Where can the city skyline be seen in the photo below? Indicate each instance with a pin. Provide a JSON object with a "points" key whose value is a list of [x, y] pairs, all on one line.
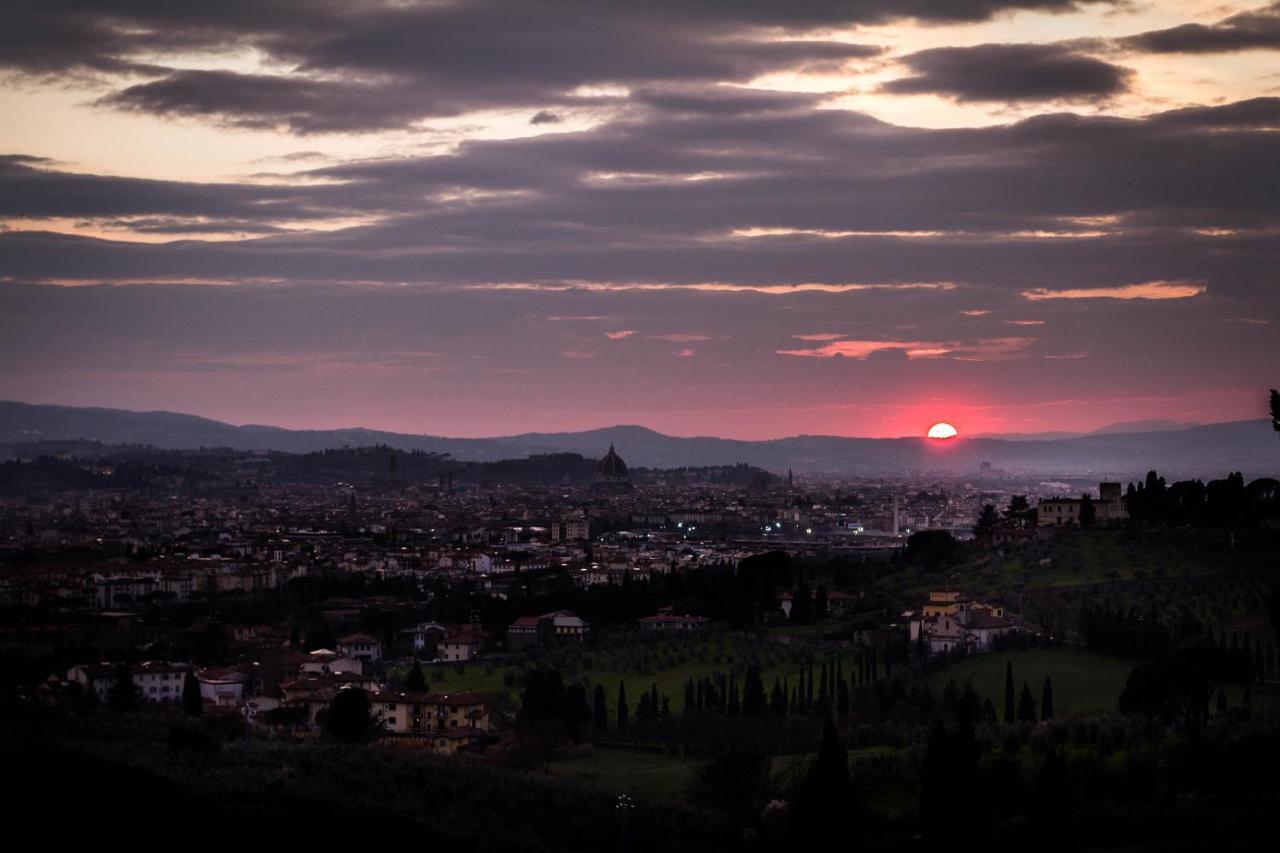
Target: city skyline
{"points": [[739, 220]]}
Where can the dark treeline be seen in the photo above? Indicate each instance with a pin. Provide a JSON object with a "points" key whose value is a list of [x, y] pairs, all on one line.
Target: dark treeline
{"points": [[60, 466], [1228, 502]]}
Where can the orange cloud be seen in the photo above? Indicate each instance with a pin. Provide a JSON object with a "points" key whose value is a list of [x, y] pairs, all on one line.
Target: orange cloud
{"points": [[1143, 290], [983, 350]]}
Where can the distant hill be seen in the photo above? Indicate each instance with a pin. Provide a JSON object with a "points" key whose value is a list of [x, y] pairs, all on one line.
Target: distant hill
{"points": [[1209, 450], [1150, 425]]}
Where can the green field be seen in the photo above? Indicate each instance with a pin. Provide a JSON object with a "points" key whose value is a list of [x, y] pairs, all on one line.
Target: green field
{"points": [[652, 775], [1099, 556], [1081, 681], [666, 668]]}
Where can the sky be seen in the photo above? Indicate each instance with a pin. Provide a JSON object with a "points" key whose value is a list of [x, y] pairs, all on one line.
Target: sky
{"points": [[740, 218]]}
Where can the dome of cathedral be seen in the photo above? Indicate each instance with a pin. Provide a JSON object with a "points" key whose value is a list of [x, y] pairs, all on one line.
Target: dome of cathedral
{"points": [[611, 465]]}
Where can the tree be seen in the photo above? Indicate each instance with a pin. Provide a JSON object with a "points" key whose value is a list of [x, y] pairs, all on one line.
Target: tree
{"points": [[754, 703], [123, 695], [1181, 684], [1017, 510], [1273, 608], [349, 719], [1088, 512], [1275, 410], [1026, 705], [735, 783], [950, 756], [415, 681], [987, 521], [1008, 693], [1046, 700], [192, 701], [820, 603], [624, 713], [599, 711], [932, 548], [286, 715], [826, 786]]}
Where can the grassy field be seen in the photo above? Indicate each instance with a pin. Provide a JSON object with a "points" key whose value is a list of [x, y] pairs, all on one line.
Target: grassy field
{"points": [[653, 775], [638, 667], [1081, 681], [1099, 556]]}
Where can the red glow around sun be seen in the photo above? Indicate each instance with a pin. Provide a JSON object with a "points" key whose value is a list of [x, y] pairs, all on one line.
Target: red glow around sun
{"points": [[942, 429]]}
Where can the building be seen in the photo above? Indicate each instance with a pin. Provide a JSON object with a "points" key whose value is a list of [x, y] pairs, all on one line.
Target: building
{"points": [[1065, 512], [157, 681], [1058, 512], [554, 627], [427, 713], [462, 643], [949, 621], [325, 661], [612, 477], [317, 691], [522, 633], [667, 623], [561, 625], [361, 646]]}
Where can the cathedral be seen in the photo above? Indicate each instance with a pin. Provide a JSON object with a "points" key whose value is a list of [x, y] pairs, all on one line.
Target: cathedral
{"points": [[612, 477]]}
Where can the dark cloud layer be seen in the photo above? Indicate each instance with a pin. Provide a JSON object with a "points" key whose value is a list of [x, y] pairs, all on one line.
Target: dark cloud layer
{"points": [[1258, 29], [1010, 72], [777, 194], [373, 65]]}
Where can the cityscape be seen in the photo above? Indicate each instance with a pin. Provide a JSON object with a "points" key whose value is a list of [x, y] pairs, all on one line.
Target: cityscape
{"points": [[540, 425]]}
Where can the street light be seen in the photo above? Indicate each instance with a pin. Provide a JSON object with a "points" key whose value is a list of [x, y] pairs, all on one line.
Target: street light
{"points": [[624, 805]]}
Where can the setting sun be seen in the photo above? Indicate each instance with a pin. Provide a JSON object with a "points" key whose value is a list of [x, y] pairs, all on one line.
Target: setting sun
{"points": [[942, 429]]}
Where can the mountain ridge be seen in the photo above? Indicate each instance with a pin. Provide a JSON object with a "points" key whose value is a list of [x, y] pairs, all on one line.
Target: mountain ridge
{"points": [[1209, 450]]}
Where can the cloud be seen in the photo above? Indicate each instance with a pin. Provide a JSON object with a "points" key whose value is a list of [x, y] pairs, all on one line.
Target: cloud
{"points": [[1143, 290], [679, 338], [862, 349], [617, 336], [1256, 29], [1010, 72]]}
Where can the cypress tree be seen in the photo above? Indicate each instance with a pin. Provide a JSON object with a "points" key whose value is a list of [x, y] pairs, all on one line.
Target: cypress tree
{"points": [[192, 701], [1046, 700], [653, 699], [123, 694], [823, 693], [623, 712], [732, 707], [777, 701], [825, 789], [1008, 693], [1026, 705], [690, 699], [842, 698], [415, 681], [600, 710], [754, 703]]}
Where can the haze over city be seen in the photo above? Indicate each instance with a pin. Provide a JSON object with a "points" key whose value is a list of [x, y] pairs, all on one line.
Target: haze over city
{"points": [[749, 220]]}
